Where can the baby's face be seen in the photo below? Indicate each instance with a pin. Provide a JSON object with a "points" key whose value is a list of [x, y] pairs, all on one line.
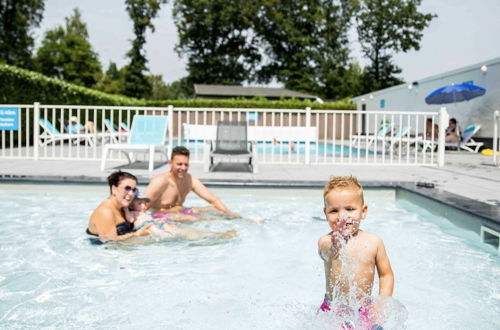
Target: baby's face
{"points": [[344, 209], [140, 205]]}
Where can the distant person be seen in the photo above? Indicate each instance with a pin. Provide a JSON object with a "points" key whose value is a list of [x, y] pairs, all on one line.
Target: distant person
{"points": [[351, 255], [452, 131], [431, 131], [75, 127], [168, 191], [137, 215], [108, 220]]}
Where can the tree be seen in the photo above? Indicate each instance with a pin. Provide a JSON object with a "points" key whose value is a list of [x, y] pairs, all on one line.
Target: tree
{"points": [[335, 73], [159, 90], [141, 12], [218, 40], [66, 53], [385, 27], [287, 31], [17, 18], [111, 81]]}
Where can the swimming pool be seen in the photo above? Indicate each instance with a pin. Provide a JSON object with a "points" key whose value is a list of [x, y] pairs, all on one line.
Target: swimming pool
{"points": [[284, 148], [270, 277]]}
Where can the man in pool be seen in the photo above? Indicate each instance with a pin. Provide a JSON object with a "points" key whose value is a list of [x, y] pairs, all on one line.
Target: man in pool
{"points": [[168, 191]]}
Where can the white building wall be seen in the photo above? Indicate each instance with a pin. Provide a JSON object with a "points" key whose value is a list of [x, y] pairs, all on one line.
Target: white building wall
{"points": [[411, 96]]}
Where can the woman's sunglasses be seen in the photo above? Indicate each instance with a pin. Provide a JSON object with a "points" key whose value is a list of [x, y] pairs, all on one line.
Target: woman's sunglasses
{"points": [[129, 189]]}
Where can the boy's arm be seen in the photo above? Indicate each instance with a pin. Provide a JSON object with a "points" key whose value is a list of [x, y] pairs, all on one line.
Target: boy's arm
{"points": [[385, 274]]}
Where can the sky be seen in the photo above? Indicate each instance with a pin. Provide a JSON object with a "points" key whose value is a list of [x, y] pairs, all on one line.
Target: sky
{"points": [[464, 33]]}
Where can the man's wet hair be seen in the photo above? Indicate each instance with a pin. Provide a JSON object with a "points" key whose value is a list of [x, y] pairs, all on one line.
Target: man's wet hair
{"points": [[344, 182], [116, 177], [180, 150]]}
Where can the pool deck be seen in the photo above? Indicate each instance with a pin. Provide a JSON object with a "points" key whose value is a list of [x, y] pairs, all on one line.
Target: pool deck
{"points": [[470, 177]]}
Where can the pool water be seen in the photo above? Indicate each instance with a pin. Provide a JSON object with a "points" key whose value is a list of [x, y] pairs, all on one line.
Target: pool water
{"points": [[269, 277], [284, 148]]}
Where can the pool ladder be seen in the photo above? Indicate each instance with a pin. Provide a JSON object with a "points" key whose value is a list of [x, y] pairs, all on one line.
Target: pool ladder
{"points": [[491, 237]]}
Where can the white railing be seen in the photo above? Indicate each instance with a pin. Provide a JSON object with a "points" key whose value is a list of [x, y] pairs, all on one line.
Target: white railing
{"points": [[281, 136], [496, 138]]}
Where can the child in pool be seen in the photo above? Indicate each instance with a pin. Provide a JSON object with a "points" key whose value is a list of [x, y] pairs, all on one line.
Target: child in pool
{"points": [[351, 255], [162, 227]]}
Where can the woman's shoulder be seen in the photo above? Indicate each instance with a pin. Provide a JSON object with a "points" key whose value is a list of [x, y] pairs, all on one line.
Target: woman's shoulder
{"points": [[103, 210]]}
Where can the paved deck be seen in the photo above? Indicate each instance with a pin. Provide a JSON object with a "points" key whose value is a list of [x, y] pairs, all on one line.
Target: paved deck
{"points": [[465, 174]]}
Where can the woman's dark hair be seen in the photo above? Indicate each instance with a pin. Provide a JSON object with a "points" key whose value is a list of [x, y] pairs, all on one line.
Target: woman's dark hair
{"points": [[115, 178], [453, 120]]}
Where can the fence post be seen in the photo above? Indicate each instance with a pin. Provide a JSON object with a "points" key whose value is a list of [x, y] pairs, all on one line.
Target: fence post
{"points": [[496, 118], [36, 130], [308, 146], [443, 123], [170, 130]]}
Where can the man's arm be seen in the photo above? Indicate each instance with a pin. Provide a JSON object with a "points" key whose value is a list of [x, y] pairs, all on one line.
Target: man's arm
{"points": [[202, 191], [386, 276]]}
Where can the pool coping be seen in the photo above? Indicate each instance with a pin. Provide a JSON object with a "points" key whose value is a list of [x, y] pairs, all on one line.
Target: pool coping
{"points": [[473, 207]]}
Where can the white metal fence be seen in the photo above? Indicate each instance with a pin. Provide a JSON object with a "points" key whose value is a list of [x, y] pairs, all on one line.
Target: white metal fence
{"points": [[285, 136], [496, 137]]}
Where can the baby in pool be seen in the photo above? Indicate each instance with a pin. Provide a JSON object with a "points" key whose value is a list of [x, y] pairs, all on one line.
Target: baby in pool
{"points": [[137, 215]]}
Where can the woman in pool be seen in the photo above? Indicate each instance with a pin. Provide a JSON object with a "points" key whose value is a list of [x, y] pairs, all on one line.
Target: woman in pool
{"points": [[108, 219]]}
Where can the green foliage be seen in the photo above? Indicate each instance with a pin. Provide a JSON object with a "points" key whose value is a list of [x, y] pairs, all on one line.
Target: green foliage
{"points": [[66, 54], [159, 91], [385, 27], [142, 13], [111, 80], [17, 18], [216, 36], [255, 103], [25, 87]]}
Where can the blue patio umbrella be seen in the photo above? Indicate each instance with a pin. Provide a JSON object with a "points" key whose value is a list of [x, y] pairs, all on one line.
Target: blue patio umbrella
{"points": [[454, 93]]}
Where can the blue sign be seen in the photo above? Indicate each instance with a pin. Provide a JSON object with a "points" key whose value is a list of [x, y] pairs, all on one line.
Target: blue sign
{"points": [[9, 119], [382, 103]]}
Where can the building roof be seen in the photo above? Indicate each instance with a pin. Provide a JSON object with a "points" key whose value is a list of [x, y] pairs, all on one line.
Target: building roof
{"points": [[241, 91]]}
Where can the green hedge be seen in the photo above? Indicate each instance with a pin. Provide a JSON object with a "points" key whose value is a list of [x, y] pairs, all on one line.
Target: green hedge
{"points": [[19, 86]]}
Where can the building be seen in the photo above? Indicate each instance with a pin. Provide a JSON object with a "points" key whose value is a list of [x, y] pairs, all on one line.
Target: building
{"points": [[229, 91], [411, 96]]}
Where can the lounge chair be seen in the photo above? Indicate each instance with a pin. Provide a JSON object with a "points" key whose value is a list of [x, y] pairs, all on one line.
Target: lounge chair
{"points": [[231, 142], [383, 131], [112, 133], [466, 143], [148, 134], [51, 134]]}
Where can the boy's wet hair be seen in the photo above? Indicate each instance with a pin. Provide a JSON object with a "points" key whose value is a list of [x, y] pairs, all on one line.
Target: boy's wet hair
{"points": [[180, 150], [343, 182], [116, 177]]}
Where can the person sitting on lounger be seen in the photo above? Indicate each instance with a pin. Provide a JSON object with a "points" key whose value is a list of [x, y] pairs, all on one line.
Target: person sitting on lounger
{"points": [[452, 131], [168, 191]]}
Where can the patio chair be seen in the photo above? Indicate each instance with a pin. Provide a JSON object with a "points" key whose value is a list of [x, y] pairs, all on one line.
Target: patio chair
{"points": [[401, 137], [231, 142], [51, 134], [466, 143], [148, 134]]}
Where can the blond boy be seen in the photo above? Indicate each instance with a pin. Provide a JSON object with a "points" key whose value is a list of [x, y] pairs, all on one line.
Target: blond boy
{"points": [[351, 255]]}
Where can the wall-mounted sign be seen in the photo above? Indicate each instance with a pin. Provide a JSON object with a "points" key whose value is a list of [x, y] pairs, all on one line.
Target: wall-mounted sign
{"points": [[382, 103], [9, 119]]}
